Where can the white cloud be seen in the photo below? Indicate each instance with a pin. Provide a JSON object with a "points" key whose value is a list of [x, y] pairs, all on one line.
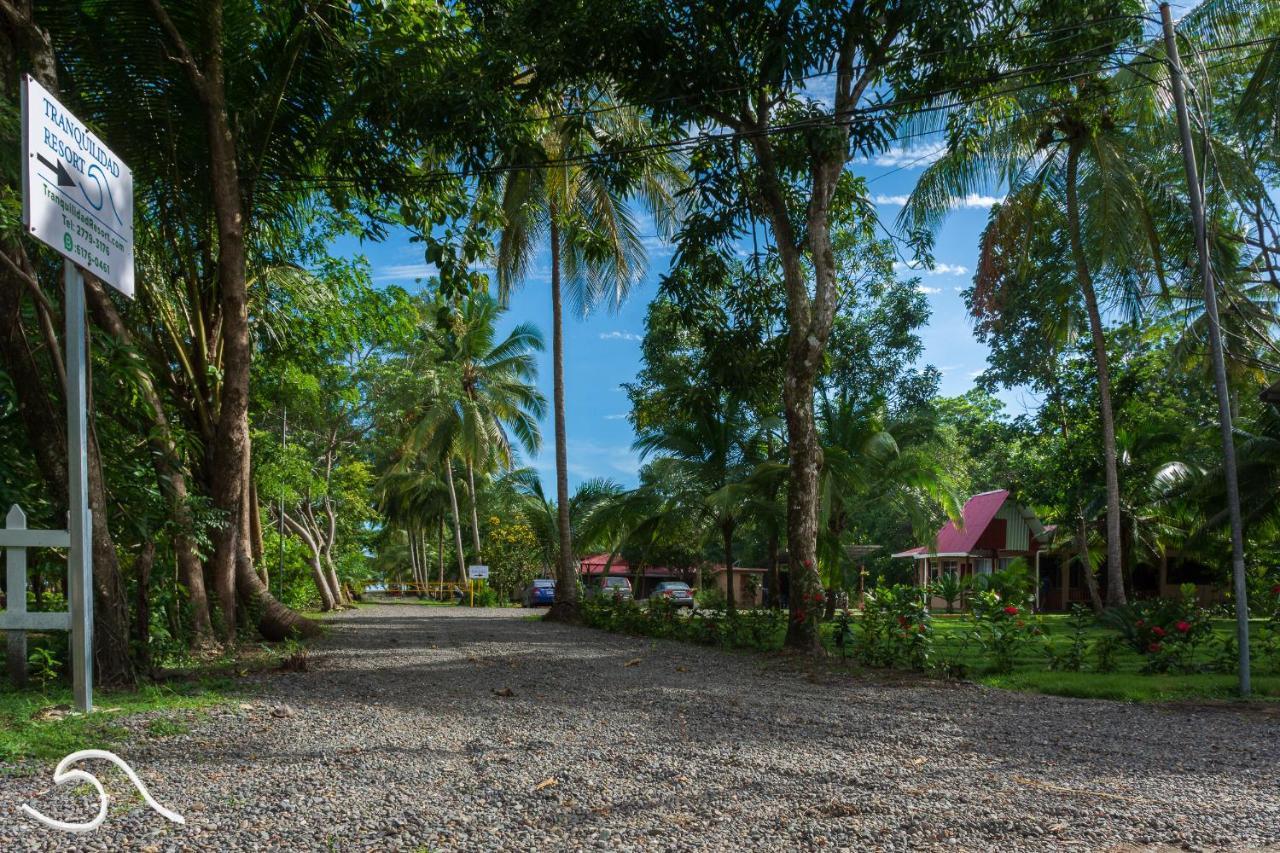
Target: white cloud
{"points": [[928, 290], [404, 272], [972, 201], [615, 417], [917, 156], [620, 336], [938, 269]]}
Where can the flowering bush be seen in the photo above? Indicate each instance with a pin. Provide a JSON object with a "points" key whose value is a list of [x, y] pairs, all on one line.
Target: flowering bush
{"points": [[895, 628], [1166, 631], [1000, 629]]}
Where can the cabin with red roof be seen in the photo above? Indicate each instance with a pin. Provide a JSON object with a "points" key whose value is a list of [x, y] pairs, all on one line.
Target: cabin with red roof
{"points": [[993, 531]]}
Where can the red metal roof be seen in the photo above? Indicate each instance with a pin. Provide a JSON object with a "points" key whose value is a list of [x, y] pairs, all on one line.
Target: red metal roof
{"points": [[977, 514], [594, 565]]}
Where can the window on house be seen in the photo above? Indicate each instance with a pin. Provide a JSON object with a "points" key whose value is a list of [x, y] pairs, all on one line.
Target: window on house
{"points": [[984, 566]]}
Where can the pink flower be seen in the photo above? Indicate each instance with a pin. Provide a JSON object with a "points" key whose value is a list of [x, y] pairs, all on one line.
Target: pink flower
{"points": [[1158, 631], [1153, 648], [1184, 626]]}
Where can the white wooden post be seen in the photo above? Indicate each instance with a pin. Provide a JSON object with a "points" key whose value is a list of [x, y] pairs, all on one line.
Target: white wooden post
{"points": [[15, 567], [15, 538]]}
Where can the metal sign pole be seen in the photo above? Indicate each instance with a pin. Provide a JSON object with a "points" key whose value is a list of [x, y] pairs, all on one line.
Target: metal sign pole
{"points": [[80, 555]]}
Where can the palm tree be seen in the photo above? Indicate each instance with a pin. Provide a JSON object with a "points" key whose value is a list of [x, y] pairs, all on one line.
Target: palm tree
{"points": [[1066, 155], [869, 459], [482, 394], [710, 456], [587, 506], [556, 194]]}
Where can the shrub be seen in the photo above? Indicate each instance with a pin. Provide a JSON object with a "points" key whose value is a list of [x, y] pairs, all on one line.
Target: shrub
{"points": [[1104, 651], [895, 629], [1071, 659], [1000, 628], [949, 588], [659, 618], [710, 598], [1013, 584], [1166, 631]]}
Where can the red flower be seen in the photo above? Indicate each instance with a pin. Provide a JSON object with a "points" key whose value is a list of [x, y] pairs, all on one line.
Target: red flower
{"points": [[808, 564], [1158, 631], [1275, 590], [1184, 626], [1153, 648], [1139, 623], [902, 620], [1011, 610], [800, 614], [819, 597]]}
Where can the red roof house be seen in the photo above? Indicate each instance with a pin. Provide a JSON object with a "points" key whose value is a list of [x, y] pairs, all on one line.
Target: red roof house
{"points": [[993, 531]]}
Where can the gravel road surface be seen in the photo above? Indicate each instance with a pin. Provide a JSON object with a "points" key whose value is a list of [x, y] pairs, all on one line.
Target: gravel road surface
{"points": [[434, 728]]}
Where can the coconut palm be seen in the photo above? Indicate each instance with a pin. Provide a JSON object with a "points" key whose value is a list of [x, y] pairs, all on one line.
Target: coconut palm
{"points": [[558, 196], [480, 396], [1070, 160]]}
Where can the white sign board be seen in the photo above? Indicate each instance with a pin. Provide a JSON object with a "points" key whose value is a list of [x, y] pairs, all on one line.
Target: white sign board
{"points": [[478, 573], [76, 195]]}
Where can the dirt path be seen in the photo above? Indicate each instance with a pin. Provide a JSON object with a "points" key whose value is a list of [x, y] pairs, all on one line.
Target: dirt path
{"points": [[402, 736]]}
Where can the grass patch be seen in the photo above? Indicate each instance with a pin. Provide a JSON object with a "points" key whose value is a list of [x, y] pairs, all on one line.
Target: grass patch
{"points": [[32, 727]]}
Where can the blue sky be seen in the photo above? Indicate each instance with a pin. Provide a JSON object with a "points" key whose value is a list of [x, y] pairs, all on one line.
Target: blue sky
{"points": [[603, 351]]}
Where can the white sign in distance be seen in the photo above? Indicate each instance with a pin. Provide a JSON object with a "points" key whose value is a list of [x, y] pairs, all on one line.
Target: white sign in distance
{"points": [[77, 196], [478, 573]]}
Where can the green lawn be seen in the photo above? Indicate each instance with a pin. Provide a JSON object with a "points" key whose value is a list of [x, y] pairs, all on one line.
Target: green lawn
{"points": [[953, 642]]}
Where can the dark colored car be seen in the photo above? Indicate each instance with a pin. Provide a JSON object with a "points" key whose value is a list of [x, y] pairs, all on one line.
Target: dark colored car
{"points": [[676, 592], [540, 593]]}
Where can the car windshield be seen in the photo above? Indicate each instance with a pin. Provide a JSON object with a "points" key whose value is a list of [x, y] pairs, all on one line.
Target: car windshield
{"points": [[673, 585], [545, 584], [617, 582]]}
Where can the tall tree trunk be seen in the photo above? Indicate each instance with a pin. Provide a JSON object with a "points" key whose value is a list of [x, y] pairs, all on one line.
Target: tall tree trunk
{"points": [[440, 553], [730, 596], [142, 603], [457, 524], [167, 464], [1115, 567], [566, 602], [414, 559], [1086, 567], [475, 512]]}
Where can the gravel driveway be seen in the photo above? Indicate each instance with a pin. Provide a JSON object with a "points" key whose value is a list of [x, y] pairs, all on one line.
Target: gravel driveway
{"points": [[423, 728]]}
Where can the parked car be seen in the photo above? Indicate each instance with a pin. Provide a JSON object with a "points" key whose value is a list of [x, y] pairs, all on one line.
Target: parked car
{"points": [[540, 593], [677, 592], [610, 586]]}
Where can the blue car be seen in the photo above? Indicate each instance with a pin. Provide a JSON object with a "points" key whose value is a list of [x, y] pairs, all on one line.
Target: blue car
{"points": [[540, 593]]}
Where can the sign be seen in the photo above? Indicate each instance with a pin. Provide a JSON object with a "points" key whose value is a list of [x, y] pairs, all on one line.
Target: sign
{"points": [[478, 573], [77, 196]]}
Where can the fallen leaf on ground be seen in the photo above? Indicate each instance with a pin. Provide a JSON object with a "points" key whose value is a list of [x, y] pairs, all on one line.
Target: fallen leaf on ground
{"points": [[549, 782], [632, 662], [682, 669], [505, 693], [918, 761]]}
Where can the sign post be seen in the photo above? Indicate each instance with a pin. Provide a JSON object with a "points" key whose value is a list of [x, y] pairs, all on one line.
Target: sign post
{"points": [[476, 573], [77, 197]]}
